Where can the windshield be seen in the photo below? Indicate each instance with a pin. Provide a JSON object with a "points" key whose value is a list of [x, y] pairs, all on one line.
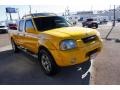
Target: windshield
{"points": [[47, 23], [2, 26], [90, 19]]}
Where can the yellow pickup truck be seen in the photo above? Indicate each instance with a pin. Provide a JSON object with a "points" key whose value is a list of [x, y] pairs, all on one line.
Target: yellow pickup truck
{"points": [[55, 41]]}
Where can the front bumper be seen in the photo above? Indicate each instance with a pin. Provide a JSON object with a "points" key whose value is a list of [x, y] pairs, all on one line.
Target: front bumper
{"points": [[3, 30], [75, 56]]}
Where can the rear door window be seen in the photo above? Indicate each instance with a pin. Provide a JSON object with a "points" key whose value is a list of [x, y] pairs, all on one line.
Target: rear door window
{"points": [[29, 24], [21, 26]]}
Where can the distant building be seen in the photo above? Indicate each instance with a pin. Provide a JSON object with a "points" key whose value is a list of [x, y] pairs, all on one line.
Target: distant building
{"points": [[99, 15], [80, 16], [110, 13], [85, 14]]}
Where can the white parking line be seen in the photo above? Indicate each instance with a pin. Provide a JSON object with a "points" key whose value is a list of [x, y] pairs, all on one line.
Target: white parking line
{"points": [[92, 70]]}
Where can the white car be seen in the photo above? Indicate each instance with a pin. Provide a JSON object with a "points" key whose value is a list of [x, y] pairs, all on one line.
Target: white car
{"points": [[3, 29]]}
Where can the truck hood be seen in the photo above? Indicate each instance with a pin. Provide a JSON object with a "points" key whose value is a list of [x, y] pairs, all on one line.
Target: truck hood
{"points": [[75, 32]]}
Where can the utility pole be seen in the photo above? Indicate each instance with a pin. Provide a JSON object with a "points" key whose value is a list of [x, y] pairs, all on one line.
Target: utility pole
{"points": [[30, 9], [68, 11], [10, 16], [91, 8], [113, 25], [114, 17], [6, 17], [36, 11], [18, 13]]}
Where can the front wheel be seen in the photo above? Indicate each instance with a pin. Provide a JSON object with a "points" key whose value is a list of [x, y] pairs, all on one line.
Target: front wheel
{"points": [[47, 62]]}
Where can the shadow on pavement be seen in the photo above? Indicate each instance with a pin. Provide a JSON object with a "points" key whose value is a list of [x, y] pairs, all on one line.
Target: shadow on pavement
{"points": [[22, 68]]}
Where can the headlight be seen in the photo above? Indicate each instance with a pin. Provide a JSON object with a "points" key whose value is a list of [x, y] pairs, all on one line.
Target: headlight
{"points": [[67, 44]]}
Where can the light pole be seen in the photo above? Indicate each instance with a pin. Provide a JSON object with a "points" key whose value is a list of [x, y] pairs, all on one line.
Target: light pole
{"points": [[18, 13], [10, 16], [30, 9], [6, 17], [113, 25], [114, 17]]}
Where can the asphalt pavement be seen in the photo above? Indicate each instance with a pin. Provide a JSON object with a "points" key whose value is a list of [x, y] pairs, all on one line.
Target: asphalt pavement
{"points": [[22, 68], [107, 63]]}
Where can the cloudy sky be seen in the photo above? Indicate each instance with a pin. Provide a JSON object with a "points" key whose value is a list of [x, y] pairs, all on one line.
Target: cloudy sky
{"points": [[55, 6]]}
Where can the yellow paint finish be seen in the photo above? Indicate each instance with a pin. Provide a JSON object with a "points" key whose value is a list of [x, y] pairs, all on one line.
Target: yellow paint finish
{"points": [[51, 40]]}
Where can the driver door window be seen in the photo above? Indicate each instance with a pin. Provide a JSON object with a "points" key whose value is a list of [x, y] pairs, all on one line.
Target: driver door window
{"points": [[29, 24], [21, 25]]}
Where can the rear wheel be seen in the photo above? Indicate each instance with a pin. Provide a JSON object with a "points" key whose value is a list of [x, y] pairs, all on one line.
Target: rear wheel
{"points": [[95, 25], [83, 25], [47, 62], [14, 47]]}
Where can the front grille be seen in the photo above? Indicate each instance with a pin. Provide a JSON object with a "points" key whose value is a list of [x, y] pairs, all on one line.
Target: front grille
{"points": [[92, 52], [89, 39]]}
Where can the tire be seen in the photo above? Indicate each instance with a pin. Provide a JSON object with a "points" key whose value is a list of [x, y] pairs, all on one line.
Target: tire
{"points": [[14, 47], [94, 25], [47, 62], [89, 26], [83, 25]]}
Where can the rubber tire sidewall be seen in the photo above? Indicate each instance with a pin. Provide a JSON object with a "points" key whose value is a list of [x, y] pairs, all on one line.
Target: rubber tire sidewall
{"points": [[54, 67], [94, 25]]}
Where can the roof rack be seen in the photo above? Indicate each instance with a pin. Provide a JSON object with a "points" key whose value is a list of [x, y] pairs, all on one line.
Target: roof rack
{"points": [[38, 14]]}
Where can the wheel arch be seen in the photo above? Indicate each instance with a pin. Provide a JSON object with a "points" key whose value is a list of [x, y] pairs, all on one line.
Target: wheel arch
{"points": [[46, 49], [43, 47]]}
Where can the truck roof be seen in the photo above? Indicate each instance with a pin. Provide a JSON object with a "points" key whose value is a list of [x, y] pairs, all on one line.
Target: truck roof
{"points": [[33, 15]]}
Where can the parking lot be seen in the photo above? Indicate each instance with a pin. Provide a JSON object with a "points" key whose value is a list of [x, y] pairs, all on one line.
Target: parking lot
{"points": [[107, 63], [22, 68]]}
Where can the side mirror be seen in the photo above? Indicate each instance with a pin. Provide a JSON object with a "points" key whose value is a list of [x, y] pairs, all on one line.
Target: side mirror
{"points": [[30, 30], [70, 22]]}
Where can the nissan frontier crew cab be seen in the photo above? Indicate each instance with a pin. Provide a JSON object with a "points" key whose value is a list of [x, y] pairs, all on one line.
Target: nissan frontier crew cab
{"points": [[55, 41]]}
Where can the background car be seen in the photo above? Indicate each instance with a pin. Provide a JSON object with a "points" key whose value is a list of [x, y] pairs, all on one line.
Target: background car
{"points": [[104, 21], [3, 29], [12, 26], [118, 19], [90, 23]]}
